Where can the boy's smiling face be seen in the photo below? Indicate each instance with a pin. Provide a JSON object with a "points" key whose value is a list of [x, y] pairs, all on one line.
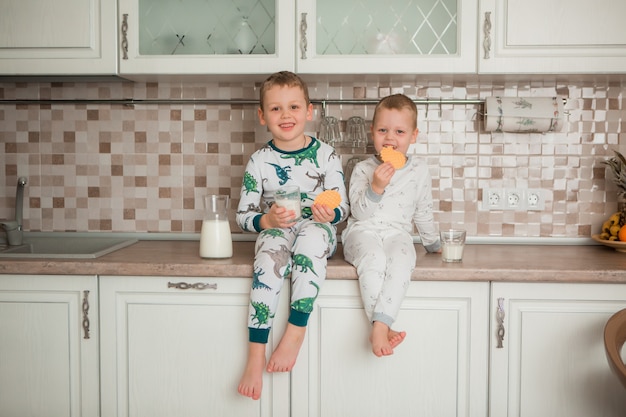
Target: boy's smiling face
{"points": [[394, 128], [285, 112]]}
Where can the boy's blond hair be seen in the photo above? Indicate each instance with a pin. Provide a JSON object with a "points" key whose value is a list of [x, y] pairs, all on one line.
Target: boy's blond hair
{"points": [[282, 79], [397, 102]]}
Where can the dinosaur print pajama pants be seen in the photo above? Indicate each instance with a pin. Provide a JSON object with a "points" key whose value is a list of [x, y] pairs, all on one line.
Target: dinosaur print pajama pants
{"points": [[301, 251]]}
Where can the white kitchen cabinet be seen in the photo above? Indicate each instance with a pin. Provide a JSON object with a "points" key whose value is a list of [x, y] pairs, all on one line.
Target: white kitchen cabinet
{"points": [[49, 364], [205, 37], [556, 36], [373, 37], [439, 370], [61, 37], [178, 346], [552, 360]]}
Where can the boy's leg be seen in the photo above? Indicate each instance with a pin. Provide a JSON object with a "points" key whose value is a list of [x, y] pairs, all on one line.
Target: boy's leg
{"points": [[272, 263], [313, 245], [251, 381]]}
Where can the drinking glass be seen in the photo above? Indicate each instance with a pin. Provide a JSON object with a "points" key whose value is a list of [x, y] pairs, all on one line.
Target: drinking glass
{"points": [[356, 135], [329, 131]]}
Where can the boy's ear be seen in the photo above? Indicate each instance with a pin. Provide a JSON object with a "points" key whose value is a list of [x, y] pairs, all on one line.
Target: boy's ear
{"points": [[261, 117], [414, 136], [309, 112]]}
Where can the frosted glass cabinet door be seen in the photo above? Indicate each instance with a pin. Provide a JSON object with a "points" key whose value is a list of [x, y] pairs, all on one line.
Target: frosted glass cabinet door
{"points": [[394, 36], [556, 36], [206, 36]]}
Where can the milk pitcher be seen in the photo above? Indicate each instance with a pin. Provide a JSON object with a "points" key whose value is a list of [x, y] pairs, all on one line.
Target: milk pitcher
{"points": [[215, 239]]}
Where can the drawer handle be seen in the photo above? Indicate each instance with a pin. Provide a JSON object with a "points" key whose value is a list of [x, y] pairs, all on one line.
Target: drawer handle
{"points": [[125, 36], [195, 286], [500, 318], [303, 40], [487, 32], [85, 314]]}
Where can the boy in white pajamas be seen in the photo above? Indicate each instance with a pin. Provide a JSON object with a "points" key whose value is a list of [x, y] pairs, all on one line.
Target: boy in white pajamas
{"points": [[384, 204], [286, 246]]}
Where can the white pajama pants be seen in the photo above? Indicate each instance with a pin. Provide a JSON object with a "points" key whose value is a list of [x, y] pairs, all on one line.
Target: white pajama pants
{"points": [[384, 259]]}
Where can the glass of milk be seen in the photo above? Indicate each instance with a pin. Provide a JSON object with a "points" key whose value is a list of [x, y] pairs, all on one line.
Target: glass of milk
{"points": [[452, 244], [215, 238], [289, 197]]}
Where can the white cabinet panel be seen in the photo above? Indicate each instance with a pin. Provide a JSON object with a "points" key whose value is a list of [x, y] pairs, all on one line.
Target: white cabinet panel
{"points": [[439, 370], [49, 346], [68, 37], [552, 362], [557, 36], [168, 351]]}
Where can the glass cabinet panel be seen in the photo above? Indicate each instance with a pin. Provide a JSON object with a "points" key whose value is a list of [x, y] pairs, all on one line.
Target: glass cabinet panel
{"points": [[415, 27], [201, 27]]}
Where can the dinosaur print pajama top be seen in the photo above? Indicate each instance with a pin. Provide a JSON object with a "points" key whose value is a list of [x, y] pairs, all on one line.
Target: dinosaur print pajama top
{"points": [[378, 239], [301, 250]]}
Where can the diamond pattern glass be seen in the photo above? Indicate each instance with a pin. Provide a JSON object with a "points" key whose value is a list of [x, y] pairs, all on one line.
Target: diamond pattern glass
{"points": [[416, 27], [206, 27]]}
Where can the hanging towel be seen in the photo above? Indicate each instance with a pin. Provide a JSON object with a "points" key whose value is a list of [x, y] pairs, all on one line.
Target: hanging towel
{"points": [[523, 114]]}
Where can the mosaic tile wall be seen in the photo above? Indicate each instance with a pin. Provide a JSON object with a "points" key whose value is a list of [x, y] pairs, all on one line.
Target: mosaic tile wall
{"points": [[144, 168]]}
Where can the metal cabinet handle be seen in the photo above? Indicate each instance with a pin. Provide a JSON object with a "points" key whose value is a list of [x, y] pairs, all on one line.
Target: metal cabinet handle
{"points": [[487, 32], [125, 36], [86, 314], [195, 286], [303, 40], [500, 327]]}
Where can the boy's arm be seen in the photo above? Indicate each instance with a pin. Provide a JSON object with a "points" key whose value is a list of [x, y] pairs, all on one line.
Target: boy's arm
{"points": [[423, 217], [249, 210], [363, 200]]}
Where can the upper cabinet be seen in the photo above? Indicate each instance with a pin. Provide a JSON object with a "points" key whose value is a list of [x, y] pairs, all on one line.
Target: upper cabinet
{"points": [[61, 37], [557, 36], [398, 37], [196, 37]]}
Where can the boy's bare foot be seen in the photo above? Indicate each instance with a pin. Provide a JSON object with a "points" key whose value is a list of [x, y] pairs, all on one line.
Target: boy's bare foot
{"points": [[379, 339], [395, 338], [252, 379], [284, 357], [384, 340]]}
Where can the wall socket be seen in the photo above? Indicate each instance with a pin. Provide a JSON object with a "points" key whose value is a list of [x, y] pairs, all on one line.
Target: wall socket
{"points": [[516, 199]]}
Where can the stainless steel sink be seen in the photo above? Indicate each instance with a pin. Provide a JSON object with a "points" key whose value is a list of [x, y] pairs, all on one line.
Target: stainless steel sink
{"points": [[65, 246]]}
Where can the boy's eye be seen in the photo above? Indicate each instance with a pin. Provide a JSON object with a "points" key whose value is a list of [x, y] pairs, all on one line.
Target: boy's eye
{"points": [[400, 132], [274, 109], [382, 130], [295, 107]]}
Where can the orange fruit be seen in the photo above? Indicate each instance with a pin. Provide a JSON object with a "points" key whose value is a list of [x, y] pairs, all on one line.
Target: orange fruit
{"points": [[621, 235], [396, 158], [328, 198]]}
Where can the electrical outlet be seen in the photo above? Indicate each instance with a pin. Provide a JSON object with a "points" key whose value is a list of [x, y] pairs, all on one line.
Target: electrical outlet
{"points": [[514, 199], [535, 200], [493, 199]]}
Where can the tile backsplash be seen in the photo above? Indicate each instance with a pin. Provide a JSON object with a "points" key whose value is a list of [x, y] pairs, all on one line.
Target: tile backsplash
{"points": [[98, 166]]}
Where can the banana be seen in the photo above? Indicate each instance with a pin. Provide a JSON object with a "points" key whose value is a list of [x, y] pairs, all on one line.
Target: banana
{"points": [[615, 230]]}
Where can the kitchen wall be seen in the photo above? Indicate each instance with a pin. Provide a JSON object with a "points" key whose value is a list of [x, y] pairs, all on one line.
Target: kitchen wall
{"points": [[144, 168]]}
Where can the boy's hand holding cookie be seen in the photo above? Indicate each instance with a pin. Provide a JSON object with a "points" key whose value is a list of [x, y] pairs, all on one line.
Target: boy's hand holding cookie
{"points": [[324, 206]]}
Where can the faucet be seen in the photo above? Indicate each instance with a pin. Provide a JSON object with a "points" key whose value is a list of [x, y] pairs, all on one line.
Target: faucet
{"points": [[13, 228]]}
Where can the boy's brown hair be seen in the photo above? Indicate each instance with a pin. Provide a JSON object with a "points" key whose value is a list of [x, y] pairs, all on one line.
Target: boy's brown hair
{"points": [[282, 79], [397, 102]]}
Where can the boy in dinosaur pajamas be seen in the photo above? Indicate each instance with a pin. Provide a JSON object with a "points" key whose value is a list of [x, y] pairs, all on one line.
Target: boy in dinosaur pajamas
{"points": [[286, 246], [385, 203]]}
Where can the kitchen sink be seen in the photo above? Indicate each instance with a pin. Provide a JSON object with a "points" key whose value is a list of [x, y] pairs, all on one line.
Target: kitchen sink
{"points": [[65, 246]]}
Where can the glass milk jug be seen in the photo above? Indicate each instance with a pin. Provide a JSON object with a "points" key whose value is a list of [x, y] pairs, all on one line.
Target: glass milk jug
{"points": [[215, 239]]}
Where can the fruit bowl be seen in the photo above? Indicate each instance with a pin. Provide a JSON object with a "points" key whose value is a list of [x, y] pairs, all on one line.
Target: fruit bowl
{"points": [[615, 244]]}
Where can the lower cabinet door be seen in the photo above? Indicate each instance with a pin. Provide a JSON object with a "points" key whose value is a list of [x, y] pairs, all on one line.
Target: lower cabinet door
{"points": [[49, 346], [547, 350], [178, 346], [439, 370]]}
